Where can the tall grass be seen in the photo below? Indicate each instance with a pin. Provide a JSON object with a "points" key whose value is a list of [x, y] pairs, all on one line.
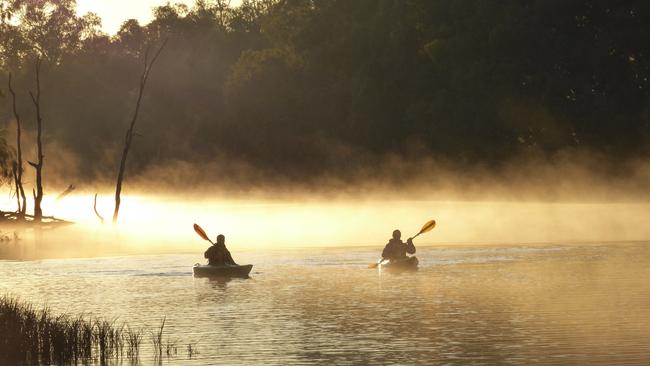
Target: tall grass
{"points": [[156, 339], [133, 340], [29, 336]]}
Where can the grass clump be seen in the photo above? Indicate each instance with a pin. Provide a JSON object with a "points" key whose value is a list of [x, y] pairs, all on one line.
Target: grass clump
{"points": [[29, 336]]}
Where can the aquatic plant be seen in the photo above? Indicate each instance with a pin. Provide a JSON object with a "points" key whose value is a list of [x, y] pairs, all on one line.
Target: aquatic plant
{"points": [[170, 348], [133, 340], [156, 339], [191, 350], [29, 336]]}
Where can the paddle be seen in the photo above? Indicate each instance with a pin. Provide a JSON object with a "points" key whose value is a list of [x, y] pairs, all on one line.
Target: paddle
{"points": [[199, 230], [426, 228]]}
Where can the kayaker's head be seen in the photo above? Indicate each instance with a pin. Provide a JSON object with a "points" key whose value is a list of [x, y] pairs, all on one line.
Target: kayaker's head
{"points": [[397, 234], [221, 239]]}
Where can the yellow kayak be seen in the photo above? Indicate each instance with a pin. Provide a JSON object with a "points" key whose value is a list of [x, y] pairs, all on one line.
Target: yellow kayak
{"points": [[407, 264]]}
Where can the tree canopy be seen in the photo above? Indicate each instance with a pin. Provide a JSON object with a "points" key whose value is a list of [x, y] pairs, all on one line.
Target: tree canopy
{"points": [[302, 88]]}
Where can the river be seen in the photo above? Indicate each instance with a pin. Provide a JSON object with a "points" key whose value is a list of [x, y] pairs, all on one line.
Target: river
{"points": [[468, 304]]}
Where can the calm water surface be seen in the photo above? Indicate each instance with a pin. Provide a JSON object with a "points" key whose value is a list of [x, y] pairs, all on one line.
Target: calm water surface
{"points": [[519, 305]]}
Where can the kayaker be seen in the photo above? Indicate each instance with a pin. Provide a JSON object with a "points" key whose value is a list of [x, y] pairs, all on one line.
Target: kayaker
{"points": [[396, 249], [218, 254]]}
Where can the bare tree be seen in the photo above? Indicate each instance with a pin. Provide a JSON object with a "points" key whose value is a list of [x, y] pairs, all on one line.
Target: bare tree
{"points": [[18, 166], [38, 194], [14, 167], [148, 64]]}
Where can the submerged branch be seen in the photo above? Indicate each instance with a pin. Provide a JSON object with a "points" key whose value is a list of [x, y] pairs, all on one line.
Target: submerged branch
{"points": [[97, 212], [27, 221], [67, 191]]}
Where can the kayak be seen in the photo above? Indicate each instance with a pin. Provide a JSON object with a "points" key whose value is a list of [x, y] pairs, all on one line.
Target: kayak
{"points": [[228, 270], [408, 264]]}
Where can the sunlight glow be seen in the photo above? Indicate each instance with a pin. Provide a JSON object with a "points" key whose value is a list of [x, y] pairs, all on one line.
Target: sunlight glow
{"points": [[164, 223], [116, 12]]}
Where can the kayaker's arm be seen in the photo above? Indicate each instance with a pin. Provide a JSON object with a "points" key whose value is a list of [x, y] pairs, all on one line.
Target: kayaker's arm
{"points": [[410, 248], [385, 254], [229, 259]]}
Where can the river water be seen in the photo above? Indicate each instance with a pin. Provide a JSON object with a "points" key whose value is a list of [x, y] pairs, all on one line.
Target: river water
{"points": [[510, 304]]}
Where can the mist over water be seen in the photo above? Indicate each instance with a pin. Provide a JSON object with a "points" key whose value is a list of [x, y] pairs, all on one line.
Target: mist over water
{"points": [[500, 281], [306, 132], [163, 223]]}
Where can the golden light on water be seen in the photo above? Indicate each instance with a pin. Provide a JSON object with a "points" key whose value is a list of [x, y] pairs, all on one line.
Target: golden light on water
{"points": [[153, 223]]}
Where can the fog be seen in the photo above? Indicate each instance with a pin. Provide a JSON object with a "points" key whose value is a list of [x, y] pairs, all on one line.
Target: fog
{"points": [[575, 198], [162, 223], [279, 136], [568, 175]]}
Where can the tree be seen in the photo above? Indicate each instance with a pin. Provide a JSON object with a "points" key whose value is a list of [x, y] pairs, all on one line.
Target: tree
{"points": [[18, 165], [40, 30], [38, 165], [148, 65]]}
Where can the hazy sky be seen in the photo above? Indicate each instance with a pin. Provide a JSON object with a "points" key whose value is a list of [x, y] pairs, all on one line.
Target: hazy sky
{"points": [[115, 12]]}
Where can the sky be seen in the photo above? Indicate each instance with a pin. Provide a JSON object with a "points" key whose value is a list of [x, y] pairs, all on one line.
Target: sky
{"points": [[115, 12]]}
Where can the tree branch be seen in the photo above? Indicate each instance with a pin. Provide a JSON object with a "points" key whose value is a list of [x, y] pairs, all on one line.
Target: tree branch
{"points": [[96, 212], [18, 169]]}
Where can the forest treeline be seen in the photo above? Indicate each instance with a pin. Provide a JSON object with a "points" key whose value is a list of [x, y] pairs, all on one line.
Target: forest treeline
{"points": [[304, 88]]}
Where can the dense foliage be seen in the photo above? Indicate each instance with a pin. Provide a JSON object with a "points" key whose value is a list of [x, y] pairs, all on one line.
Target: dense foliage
{"points": [[304, 87]]}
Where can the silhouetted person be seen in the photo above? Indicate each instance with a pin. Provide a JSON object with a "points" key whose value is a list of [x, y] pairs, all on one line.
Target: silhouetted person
{"points": [[217, 254], [396, 249]]}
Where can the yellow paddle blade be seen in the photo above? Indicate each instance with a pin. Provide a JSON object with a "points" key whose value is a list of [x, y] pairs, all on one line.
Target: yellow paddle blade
{"points": [[201, 233], [428, 226]]}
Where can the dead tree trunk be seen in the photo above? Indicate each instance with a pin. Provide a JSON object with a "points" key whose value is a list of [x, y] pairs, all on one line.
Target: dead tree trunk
{"points": [[14, 167], [38, 195], [18, 169], [129, 133]]}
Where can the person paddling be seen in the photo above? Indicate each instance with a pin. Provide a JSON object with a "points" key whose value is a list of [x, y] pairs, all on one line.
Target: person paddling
{"points": [[396, 249], [218, 254]]}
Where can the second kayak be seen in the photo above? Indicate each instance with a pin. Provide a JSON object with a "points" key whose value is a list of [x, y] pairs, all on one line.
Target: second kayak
{"points": [[408, 264]]}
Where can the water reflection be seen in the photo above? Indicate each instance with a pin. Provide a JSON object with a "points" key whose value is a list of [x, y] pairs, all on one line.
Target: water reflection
{"points": [[219, 283]]}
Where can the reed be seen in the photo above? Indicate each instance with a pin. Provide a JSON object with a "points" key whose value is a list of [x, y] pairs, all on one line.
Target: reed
{"points": [[191, 350], [29, 336], [170, 348], [133, 340], [156, 339]]}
